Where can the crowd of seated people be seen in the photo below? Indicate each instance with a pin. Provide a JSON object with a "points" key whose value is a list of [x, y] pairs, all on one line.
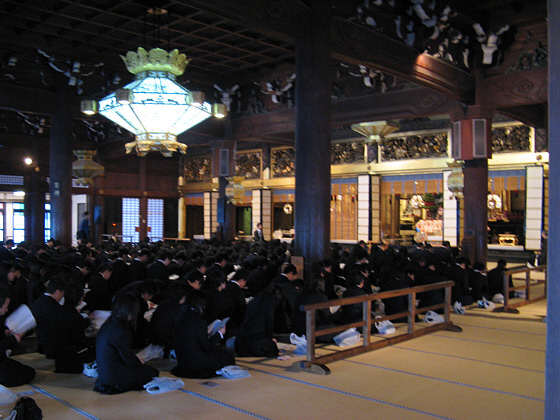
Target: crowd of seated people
{"points": [[252, 284]]}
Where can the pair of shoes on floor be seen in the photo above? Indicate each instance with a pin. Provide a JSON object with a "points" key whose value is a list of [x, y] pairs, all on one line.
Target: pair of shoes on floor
{"points": [[90, 370], [486, 304], [458, 308]]}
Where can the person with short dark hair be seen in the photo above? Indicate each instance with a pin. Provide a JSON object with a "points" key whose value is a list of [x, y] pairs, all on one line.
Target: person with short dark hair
{"points": [[118, 367], [99, 295], [12, 372], [198, 355], [46, 310], [258, 235], [255, 336]]}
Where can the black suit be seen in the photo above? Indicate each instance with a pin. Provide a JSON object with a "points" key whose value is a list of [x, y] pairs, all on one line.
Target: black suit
{"points": [[47, 312], [12, 372], [237, 305], [73, 348], [99, 296], [6, 254], [197, 355], [258, 235], [119, 276], [119, 368], [137, 271], [254, 337], [158, 271]]}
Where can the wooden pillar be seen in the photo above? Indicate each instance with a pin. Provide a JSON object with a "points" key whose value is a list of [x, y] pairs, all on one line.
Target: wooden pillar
{"points": [[472, 143], [34, 207], [60, 164], [313, 134], [552, 368], [223, 167]]}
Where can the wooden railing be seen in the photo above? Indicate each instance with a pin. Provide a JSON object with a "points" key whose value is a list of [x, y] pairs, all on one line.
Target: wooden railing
{"points": [[530, 283], [367, 345]]}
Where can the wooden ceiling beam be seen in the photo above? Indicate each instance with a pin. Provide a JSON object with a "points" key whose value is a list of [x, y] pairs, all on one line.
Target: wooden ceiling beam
{"points": [[412, 103], [351, 43]]}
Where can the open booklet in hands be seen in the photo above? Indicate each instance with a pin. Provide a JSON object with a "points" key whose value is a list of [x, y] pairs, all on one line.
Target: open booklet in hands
{"points": [[216, 326]]}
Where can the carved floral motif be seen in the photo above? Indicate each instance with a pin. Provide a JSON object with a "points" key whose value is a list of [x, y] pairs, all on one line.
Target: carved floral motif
{"points": [[342, 153], [511, 139], [198, 169], [414, 147], [283, 162], [248, 165]]}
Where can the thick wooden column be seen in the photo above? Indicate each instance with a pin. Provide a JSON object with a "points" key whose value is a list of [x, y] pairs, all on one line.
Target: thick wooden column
{"points": [[476, 209], [472, 143], [313, 134], [34, 207], [60, 164], [552, 368], [222, 168]]}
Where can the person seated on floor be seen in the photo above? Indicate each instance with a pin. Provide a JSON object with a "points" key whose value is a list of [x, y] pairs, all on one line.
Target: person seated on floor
{"points": [[162, 324], [255, 336], [46, 310], [394, 279], [73, 348], [144, 291], [496, 280], [12, 372], [354, 312], [198, 355], [313, 292], [478, 282], [118, 367]]}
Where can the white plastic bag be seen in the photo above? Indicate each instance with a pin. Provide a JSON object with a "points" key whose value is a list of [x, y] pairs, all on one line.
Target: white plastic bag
{"points": [[432, 317], [233, 372], [163, 384], [348, 337], [299, 342], [385, 327]]}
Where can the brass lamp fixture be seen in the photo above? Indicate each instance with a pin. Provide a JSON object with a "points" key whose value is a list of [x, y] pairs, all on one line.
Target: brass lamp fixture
{"points": [[85, 169], [456, 182], [376, 131], [235, 190]]}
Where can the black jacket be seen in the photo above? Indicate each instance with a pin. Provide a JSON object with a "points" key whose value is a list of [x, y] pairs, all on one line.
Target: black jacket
{"points": [[119, 368]]}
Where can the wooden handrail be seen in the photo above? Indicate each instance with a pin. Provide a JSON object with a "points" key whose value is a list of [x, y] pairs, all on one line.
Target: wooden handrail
{"points": [[529, 283], [366, 322]]}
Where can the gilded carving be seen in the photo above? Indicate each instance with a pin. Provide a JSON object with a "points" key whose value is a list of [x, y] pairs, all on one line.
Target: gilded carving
{"points": [[283, 162], [414, 147], [343, 153], [511, 139], [198, 169], [248, 165]]}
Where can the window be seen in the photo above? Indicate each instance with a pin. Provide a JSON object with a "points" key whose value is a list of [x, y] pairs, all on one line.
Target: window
{"points": [[47, 221], [130, 219], [19, 222], [155, 219]]}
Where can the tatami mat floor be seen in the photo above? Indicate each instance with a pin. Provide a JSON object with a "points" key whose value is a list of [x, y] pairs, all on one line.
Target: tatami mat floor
{"points": [[494, 369]]}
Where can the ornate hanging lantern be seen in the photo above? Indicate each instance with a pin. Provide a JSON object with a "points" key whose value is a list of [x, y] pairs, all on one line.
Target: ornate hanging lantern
{"points": [[235, 190], [455, 182], [85, 169], [155, 107]]}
